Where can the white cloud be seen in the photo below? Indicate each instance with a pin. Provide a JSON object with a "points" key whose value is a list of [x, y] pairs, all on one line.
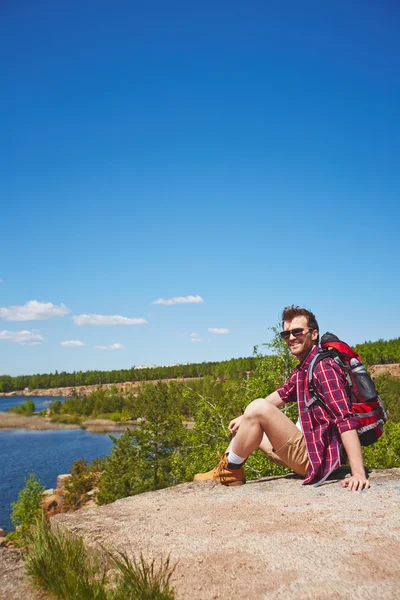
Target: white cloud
{"points": [[106, 320], [112, 347], [218, 330], [33, 311], [196, 339], [26, 338], [72, 343], [194, 334], [179, 300]]}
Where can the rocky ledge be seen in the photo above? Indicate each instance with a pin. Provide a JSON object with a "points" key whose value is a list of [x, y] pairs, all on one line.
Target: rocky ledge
{"points": [[271, 538]]}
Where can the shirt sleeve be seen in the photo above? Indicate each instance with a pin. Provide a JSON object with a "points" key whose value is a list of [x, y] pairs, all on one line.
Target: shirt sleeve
{"points": [[331, 383], [288, 391]]}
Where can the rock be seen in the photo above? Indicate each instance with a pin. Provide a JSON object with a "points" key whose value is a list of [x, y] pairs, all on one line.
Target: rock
{"points": [[272, 538], [61, 479], [50, 501], [2, 532], [3, 541]]}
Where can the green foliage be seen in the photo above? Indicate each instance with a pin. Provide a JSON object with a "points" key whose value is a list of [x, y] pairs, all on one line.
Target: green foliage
{"points": [[27, 408], [143, 580], [379, 353], [142, 458], [60, 564], [26, 510], [385, 453], [213, 406], [84, 478], [233, 368], [389, 390]]}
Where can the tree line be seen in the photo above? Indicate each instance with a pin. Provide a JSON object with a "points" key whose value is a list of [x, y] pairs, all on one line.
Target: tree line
{"points": [[233, 368], [372, 353]]}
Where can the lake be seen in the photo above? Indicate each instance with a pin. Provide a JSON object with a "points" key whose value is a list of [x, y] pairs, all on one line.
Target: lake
{"points": [[41, 402], [45, 453]]}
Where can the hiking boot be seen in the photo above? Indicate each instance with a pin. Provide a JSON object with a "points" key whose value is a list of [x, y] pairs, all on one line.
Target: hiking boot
{"points": [[223, 474]]}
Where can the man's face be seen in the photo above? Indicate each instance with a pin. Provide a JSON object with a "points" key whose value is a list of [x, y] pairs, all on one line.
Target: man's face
{"points": [[300, 345]]}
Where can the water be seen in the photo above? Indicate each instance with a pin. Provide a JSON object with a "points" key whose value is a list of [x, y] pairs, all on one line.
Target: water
{"points": [[41, 402], [45, 453]]}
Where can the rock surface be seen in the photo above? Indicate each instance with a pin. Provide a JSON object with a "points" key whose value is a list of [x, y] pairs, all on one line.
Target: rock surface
{"points": [[272, 538], [14, 584]]}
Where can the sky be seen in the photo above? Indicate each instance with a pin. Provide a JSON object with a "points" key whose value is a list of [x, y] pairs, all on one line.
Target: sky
{"points": [[173, 174]]}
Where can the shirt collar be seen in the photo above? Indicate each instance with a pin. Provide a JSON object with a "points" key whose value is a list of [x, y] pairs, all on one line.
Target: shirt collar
{"points": [[303, 366]]}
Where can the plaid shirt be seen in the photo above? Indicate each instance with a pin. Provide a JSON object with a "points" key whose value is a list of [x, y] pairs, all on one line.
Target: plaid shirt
{"points": [[321, 425]]}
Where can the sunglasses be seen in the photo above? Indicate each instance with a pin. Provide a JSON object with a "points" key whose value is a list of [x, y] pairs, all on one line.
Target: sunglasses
{"points": [[297, 332]]}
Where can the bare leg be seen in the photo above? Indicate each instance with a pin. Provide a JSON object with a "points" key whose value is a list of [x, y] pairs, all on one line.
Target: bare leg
{"points": [[259, 417]]}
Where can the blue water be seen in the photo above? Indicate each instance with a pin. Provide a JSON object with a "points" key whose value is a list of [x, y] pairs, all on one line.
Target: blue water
{"points": [[41, 402], [45, 453]]}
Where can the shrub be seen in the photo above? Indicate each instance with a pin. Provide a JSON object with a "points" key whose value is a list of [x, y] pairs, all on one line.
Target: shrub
{"points": [[27, 408], [84, 478], [143, 580], [26, 510], [61, 565]]}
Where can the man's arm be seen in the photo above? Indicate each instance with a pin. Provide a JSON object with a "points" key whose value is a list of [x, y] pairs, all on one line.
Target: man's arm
{"points": [[358, 479]]}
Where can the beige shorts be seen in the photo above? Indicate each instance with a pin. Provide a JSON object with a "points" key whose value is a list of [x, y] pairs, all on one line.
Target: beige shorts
{"points": [[293, 454]]}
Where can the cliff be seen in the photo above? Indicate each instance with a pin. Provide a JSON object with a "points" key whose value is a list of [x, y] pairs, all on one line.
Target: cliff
{"points": [[272, 538]]}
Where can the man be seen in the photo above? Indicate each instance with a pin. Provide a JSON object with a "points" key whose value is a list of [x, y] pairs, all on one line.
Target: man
{"points": [[328, 432]]}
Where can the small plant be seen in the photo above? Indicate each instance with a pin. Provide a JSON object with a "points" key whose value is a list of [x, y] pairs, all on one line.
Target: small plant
{"points": [[26, 510], [61, 565], [143, 580]]}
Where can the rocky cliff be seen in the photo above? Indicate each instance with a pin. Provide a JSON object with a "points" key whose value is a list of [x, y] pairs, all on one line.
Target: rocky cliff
{"points": [[272, 538]]}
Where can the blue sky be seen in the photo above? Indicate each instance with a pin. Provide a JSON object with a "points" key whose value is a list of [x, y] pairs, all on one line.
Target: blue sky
{"points": [[240, 157]]}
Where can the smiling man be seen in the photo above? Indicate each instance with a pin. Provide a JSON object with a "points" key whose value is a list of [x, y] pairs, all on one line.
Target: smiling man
{"points": [[328, 433]]}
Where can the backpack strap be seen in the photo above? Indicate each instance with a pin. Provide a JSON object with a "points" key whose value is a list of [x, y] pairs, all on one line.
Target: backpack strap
{"points": [[324, 353]]}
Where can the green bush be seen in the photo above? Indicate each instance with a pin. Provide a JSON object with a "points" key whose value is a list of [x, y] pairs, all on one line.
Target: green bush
{"points": [[143, 580], [84, 478], [385, 453], [26, 510], [61, 565], [27, 408], [389, 390]]}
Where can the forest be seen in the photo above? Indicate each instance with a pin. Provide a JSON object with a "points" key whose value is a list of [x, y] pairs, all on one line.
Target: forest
{"points": [[372, 353]]}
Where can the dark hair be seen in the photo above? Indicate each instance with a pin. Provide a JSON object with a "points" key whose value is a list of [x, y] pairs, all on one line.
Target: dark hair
{"points": [[290, 312]]}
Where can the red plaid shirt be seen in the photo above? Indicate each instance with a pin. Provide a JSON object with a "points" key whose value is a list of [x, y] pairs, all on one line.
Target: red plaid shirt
{"points": [[322, 425]]}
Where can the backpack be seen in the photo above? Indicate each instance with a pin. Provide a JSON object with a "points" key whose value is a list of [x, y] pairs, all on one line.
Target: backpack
{"points": [[366, 404]]}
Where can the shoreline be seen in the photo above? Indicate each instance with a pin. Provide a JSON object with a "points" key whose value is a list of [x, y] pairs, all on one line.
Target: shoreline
{"points": [[10, 421], [84, 390]]}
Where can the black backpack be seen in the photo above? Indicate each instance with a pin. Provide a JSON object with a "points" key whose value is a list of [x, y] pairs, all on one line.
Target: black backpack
{"points": [[366, 403]]}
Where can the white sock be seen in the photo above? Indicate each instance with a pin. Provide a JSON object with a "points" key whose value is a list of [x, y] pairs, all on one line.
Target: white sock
{"points": [[234, 459]]}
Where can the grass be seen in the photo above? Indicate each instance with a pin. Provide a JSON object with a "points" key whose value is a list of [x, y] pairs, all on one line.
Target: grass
{"points": [[143, 580], [60, 564]]}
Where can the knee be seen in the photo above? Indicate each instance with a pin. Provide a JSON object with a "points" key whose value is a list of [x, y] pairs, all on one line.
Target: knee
{"points": [[258, 408]]}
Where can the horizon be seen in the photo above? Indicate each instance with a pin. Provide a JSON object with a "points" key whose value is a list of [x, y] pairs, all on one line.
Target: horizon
{"points": [[174, 175]]}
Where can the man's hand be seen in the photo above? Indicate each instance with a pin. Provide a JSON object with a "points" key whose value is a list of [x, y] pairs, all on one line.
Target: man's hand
{"points": [[355, 483], [235, 424]]}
